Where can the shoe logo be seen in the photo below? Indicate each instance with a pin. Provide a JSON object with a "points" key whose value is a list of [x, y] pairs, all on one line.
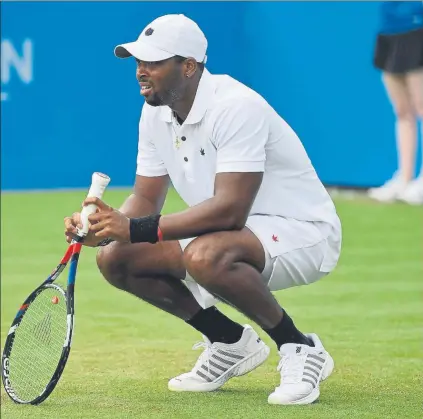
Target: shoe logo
{"points": [[258, 340], [298, 350], [149, 32], [275, 238]]}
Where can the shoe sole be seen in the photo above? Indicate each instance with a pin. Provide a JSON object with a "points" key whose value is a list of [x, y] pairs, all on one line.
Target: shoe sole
{"points": [[315, 393], [312, 397], [243, 367]]}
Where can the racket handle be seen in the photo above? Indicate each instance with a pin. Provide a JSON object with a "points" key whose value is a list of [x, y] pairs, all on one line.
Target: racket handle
{"points": [[98, 185]]}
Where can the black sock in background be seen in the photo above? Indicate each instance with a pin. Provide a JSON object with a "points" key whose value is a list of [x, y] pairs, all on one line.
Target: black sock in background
{"points": [[286, 332], [216, 326]]}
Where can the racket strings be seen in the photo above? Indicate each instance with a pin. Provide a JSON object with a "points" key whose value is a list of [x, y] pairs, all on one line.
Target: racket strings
{"points": [[38, 344]]}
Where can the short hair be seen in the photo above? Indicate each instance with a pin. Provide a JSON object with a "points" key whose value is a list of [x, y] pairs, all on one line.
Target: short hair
{"points": [[179, 59]]}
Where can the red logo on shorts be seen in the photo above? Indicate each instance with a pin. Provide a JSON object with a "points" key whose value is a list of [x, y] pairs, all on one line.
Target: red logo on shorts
{"points": [[275, 238]]}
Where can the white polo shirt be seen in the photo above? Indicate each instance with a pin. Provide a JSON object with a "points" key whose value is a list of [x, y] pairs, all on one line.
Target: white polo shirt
{"points": [[231, 128]]}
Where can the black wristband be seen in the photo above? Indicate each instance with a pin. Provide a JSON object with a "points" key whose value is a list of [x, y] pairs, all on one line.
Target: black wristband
{"points": [[144, 229], [105, 242]]}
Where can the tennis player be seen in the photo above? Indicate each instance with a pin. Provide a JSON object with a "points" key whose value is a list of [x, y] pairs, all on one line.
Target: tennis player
{"points": [[259, 219]]}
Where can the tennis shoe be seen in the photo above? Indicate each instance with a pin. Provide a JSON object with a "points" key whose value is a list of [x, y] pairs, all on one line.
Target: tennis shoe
{"points": [[302, 368], [220, 362]]}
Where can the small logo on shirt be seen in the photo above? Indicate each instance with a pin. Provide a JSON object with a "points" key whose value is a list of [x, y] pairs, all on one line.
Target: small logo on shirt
{"points": [[149, 32], [275, 238], [298, 349], [202, 152]]}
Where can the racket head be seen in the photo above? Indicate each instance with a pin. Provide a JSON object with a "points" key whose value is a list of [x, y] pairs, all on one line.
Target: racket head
{"points": [[37, 346], [38, 343]]}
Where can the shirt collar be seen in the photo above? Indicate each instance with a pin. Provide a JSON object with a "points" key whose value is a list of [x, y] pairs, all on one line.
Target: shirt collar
{"points": [[201, 103]]}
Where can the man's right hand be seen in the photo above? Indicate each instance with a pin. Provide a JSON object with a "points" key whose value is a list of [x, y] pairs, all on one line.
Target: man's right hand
{"points": [[71, 226]]}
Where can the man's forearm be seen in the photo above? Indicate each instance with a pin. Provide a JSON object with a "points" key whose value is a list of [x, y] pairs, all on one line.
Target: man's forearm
{"points": [[139, 206], [206, 217], [136, 206], [228, 209]]}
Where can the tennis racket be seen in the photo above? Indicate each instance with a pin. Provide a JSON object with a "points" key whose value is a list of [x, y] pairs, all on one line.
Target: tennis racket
{"points": [[38, 344]]}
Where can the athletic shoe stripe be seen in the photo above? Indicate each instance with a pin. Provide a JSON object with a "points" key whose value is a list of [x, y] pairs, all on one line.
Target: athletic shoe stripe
{"points": [[314, 364], [204, 376], [317, 373], [225, 361], [217, 365], [210, 371], [230, 354], [306, 380], [317, 358], [221, 364], [313, 377]]}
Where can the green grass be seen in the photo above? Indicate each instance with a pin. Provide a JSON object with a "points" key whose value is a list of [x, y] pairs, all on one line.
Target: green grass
{"points": [[368, 312]]}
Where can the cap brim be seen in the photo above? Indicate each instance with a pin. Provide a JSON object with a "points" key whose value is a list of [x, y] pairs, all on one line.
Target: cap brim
{"points": [[141, 51]]}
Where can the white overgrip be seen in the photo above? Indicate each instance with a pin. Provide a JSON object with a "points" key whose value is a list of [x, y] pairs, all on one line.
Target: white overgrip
{"points": [[98, 185]]}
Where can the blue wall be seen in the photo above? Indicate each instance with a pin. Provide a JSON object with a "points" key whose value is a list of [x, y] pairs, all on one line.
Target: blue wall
{"points": [[317, 67], [80, 108]]}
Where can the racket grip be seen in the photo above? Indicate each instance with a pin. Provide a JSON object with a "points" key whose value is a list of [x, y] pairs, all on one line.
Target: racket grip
{"points": [[98, 185]]}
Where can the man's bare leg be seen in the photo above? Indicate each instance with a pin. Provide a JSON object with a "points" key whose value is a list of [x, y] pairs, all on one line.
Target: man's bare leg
{"points": [[229, 265], [153, 273]]}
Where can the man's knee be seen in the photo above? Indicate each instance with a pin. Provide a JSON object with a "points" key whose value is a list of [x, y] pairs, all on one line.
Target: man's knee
{"points": [[209, 257], [120, 261], [205, 259], [112, 265]]}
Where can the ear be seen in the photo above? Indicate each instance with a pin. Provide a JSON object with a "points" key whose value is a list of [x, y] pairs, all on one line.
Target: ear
{"points": [[190, 67]]}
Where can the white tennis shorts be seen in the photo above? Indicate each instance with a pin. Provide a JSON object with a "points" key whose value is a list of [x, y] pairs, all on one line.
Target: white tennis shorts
{"points": [[297, 253]]}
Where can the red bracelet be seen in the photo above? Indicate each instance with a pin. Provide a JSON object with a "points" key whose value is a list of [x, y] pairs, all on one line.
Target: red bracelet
{"points": [[159, 234]]}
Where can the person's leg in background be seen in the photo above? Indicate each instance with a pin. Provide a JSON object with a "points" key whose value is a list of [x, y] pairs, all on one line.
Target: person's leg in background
{"points": [[406, 133], [413, 194]]}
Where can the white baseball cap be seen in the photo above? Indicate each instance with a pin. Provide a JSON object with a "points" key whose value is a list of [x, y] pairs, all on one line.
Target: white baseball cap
{"points": [[166, 37]]}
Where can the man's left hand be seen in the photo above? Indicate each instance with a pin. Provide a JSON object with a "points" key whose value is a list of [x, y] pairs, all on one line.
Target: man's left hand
{"points": [[108, 222]]}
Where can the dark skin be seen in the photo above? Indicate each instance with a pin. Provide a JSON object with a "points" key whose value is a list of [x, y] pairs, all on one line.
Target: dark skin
{"points": [[227, 210], [173, 83], [225, 257]]}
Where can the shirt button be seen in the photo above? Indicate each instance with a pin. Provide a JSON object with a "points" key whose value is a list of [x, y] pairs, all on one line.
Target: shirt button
{"points": [[183, 138], [186, 158]]}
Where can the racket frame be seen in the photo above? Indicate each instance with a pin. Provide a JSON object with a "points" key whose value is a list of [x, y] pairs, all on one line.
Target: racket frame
{"points": [[99, 182], [72, 256]]}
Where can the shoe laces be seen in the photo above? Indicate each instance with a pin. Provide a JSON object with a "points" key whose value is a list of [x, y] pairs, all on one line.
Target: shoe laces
{"points": [[291, 367], [204, 358]]}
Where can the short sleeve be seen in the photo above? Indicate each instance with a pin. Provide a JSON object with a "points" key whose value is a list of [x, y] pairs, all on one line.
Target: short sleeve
{"points": [[149, 162], [240, 134]]}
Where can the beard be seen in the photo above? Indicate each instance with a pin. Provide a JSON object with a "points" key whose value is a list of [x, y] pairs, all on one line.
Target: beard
{"points": [[154, 100], [166, 98]]}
